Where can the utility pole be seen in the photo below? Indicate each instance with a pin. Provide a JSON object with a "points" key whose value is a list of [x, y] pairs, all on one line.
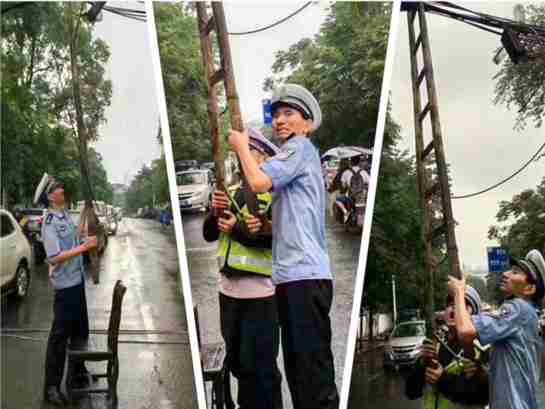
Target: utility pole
{"points": [[88, 215], [426, 190], [394, 297], [207, 24]]}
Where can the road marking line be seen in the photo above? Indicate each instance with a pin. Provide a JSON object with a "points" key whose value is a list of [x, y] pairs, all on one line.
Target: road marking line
{"points": [[198, 249], [145, 309]]}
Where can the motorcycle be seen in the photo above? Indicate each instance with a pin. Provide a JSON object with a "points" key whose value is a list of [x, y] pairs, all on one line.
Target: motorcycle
{"points": [[355, 206]]}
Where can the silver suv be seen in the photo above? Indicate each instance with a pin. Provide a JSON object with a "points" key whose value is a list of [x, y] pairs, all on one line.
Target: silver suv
{"points": [[195, 189], [404, 344]]}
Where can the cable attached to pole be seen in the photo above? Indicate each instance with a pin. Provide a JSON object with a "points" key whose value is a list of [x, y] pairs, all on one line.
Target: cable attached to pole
{"points": [[258, 30], [534, 156]]}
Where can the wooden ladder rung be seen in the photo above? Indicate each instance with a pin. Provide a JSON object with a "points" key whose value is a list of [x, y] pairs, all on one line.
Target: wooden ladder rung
{"points": [[217, 76], [418, 43], [420, 77], [429, 147], [423, 114], [432, 190], [210, 25], [438, 231]]}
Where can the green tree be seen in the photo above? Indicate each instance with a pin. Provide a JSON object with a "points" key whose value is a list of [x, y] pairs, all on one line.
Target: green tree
{"points": [[343, 67], [37, 105], [184, 80], [522, 86], [520, 222]]}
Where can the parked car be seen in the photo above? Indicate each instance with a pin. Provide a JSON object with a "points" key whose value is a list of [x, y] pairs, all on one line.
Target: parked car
{"points": [[31, 221], [182, 165], [208, 166], [15, 257], [403, 347], [195, 189]]}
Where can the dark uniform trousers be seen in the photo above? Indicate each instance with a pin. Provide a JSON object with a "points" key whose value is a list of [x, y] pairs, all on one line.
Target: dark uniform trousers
{"points": [[70, 322], [303, 308], [250, 330]]}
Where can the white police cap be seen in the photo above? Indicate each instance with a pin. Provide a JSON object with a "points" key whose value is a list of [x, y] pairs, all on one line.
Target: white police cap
{"points": [[300, 98]]}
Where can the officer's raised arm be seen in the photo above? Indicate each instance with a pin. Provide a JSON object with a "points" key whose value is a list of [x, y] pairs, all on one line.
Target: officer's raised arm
{"points": [[464, 325], [258, 180], [63, 256]]}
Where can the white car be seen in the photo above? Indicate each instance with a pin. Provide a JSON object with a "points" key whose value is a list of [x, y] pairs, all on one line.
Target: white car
{"points": [[403, 348], [15, 256], [195, 189]]}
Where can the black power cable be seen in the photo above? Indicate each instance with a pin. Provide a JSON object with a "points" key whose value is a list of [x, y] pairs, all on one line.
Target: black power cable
{"points": [[127, 13], [501, 182], [257, 30]]}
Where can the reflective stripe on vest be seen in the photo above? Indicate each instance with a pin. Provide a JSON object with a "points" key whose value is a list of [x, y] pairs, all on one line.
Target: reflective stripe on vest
{"points": [[435, 400], [243, 258]]}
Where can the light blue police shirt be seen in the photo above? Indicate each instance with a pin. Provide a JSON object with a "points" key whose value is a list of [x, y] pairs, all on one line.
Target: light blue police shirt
{"points": [[298, 213], [58, 235], [515, 361]]}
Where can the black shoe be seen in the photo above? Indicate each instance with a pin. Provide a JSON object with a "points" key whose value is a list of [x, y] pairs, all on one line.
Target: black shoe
{"points": [[54, 396]]}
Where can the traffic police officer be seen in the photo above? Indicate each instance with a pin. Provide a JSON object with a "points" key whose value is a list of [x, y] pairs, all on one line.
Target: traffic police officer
{"points": [[248, 311], [301, 267], [443, 377], [63, 253], [513, 332]]}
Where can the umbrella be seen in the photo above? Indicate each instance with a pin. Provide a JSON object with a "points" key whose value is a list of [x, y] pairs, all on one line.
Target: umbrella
{"points": [[343, 152]]}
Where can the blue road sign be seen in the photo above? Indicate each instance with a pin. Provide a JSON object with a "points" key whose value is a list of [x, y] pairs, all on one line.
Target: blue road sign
{"points": [[267, 113], [498, 259]]}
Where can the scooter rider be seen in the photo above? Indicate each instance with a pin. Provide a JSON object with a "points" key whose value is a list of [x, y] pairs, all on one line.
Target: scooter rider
{"points": [[63, 252], [248, 311], [443, 377], [513, 332], [301, 267], [342, 200]]}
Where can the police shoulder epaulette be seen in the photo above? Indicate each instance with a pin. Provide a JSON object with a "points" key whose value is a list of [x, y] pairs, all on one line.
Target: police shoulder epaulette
{"points": [[49, 218]]}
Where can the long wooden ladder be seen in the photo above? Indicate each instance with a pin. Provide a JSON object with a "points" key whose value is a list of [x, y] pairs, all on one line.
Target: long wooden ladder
{"points": [[207, 24], [429, 155]]}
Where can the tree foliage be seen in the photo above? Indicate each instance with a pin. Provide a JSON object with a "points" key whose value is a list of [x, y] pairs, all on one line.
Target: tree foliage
{"points": [[149, 188], [522, 86], [521, 221], [37, 105], [395, 246], [343, 67], [184, 80]]}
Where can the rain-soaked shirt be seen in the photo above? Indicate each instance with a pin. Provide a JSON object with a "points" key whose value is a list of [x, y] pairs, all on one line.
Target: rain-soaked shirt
{"points": [[298, 213], [515, 361], [59, 234]]}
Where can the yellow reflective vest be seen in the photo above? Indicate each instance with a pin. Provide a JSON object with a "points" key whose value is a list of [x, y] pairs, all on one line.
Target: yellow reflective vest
{"points": [[433, 399], [246, 259]]}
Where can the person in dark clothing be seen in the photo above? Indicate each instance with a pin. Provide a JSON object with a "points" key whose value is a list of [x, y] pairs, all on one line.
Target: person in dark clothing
{"points": [[248, 311], [446, 381]]}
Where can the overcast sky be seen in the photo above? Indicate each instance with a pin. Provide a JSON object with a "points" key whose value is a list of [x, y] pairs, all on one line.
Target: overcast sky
{"points": [[253, 55], [481, 145], [128, 139]]}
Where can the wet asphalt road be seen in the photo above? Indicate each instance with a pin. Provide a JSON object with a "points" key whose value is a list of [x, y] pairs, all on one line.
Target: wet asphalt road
{"points": [[343, 251], [155, 370], [374, 387]]}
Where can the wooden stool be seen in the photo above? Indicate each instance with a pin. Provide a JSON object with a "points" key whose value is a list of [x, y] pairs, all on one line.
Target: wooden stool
{"points": [[99, 349], [215, 370]]}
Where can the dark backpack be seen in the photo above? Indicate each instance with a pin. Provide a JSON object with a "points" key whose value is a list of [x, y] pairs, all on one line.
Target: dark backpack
{"points": [[358, 186]]}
